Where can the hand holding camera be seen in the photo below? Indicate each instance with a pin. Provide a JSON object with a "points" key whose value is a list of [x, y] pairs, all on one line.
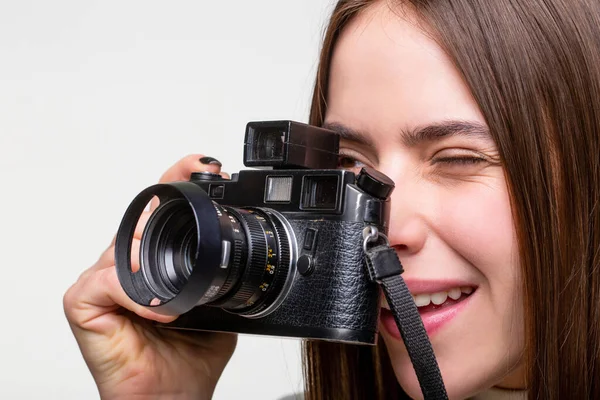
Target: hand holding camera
{"points": [[273, 251], [277, 250], [130, 357]]}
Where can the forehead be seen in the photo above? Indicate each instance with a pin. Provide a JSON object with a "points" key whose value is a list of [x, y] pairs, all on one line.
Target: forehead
{"points": [[387, 74]]}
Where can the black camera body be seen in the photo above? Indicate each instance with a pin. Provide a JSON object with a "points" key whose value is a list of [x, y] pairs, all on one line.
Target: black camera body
{"points": [[275, 251]]}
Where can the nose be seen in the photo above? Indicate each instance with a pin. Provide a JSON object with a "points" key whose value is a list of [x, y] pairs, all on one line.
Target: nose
{"points": [[407, 233], [408, 229]]}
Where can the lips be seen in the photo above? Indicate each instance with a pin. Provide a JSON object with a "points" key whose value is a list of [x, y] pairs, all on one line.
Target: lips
{"points": [[438, 303]]}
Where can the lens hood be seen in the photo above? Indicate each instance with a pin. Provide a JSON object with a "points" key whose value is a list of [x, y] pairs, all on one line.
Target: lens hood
{"points": [[138, 285]]}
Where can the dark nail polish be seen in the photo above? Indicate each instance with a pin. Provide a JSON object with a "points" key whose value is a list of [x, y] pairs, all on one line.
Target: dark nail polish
{"points": [[210, 160]]}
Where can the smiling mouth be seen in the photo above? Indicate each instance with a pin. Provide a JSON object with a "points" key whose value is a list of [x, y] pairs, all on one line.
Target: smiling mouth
{"points": [[436, 309], [435, 301], [429, 302]]}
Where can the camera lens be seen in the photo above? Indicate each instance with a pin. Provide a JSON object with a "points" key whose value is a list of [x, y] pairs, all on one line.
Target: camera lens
{"points": [[201, 253], [254, 253], [168, 247], [261, 264]]}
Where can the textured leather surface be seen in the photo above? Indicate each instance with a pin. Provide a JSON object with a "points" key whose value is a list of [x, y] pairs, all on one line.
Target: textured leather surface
{"points": [[338, 294]]}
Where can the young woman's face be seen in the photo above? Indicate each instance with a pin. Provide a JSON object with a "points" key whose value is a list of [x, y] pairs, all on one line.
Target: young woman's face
{"points": [[403, 108]]}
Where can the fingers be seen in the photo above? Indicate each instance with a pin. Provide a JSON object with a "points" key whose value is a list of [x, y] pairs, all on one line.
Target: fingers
{"points": [[107, 258], [182, 170], [91, 304], [141, 224]]}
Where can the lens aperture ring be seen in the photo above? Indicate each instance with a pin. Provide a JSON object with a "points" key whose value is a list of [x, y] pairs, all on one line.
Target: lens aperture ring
{"points": [[281, 263], [270, 268]]}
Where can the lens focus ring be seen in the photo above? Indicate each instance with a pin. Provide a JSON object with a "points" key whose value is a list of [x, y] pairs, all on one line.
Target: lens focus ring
{"points": [[239, 248], [257, 257]]}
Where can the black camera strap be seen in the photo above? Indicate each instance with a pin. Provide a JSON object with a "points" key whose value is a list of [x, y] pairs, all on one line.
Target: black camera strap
{"points": [[385, 268]]}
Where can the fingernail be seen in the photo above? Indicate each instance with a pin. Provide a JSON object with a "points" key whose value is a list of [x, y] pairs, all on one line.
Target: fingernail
{"points": [[155, 302], [210, 160]]}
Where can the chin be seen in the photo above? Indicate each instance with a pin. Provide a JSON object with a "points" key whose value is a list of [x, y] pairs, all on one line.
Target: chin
{"points": [[457, 387], [407, 378]]}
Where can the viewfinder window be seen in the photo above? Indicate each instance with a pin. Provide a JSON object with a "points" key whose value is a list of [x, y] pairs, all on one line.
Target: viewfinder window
{"points": [[268, 145], [320, 192]]}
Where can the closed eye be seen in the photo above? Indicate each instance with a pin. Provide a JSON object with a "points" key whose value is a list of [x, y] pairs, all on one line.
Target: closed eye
{"points": [[459, 160], [455, 163]]}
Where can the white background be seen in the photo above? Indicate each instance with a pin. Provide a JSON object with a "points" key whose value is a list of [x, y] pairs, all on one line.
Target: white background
{"points": [[97, 99]]}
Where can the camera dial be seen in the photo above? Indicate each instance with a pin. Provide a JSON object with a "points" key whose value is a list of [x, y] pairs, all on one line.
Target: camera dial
{"points": [[205, 176], [375, 183]]}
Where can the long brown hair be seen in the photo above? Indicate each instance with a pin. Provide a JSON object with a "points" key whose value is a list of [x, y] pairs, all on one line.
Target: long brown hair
{"points": [[533, 66]]}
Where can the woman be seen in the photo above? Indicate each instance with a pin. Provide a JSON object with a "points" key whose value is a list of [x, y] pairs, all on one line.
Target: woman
{"points": [[486, 114]]}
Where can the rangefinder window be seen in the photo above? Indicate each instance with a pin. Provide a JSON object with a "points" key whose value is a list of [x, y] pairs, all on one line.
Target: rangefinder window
{"points": [[267, 145], [319, 192], [278, 189]]}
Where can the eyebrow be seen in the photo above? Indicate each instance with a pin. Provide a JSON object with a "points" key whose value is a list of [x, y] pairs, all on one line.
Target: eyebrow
{"points": [[417, 136]]}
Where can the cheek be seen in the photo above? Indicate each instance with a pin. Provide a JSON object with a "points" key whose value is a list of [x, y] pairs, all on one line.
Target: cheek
{"points": [[476, 221]]}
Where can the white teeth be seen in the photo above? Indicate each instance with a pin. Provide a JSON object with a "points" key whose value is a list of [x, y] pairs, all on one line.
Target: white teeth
{"points": [[454, 293], [422, 300], [439, 298]]}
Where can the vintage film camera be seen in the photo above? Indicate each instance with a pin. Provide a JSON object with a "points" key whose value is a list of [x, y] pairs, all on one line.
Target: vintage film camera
{"points": [[276, 250]]}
